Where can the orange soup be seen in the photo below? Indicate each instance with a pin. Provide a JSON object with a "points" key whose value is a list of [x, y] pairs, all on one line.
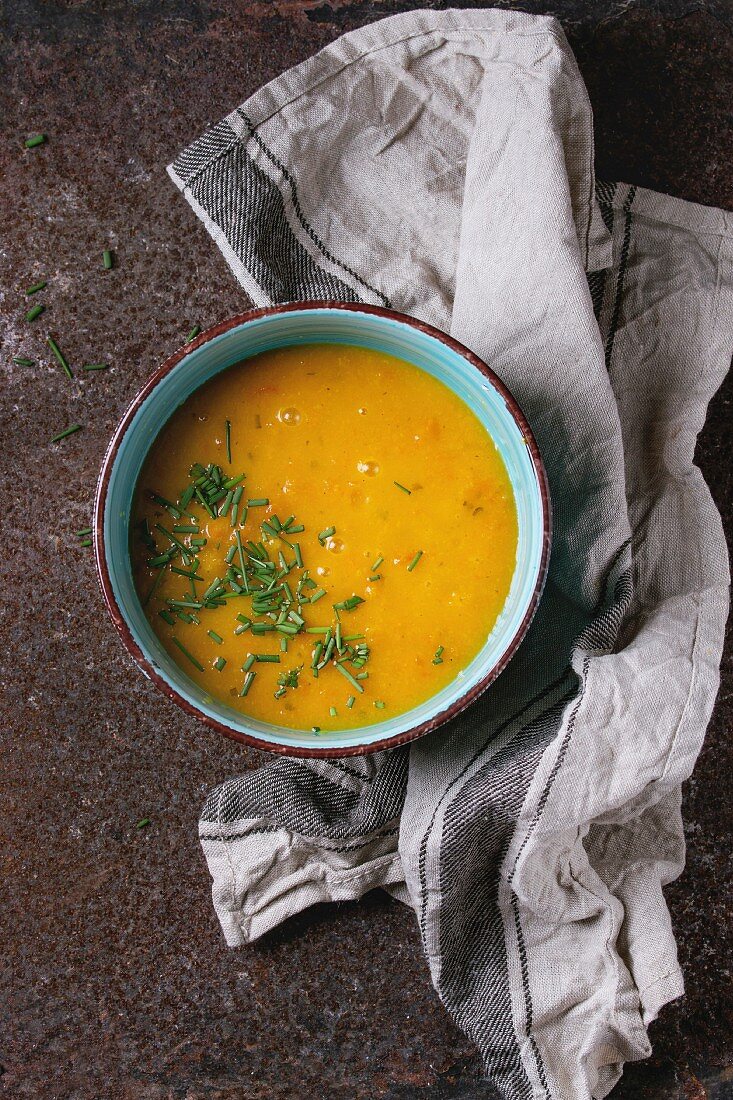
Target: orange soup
{"points": [[323, 536]]}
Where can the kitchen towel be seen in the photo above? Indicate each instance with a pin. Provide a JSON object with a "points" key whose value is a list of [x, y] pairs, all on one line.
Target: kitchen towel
{"points": [[441, 163]]}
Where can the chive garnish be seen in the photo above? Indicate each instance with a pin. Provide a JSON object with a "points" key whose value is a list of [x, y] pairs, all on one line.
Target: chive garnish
{"points": [[21, 362], [167, 617], [350, 701], [352, 680], [315, 729], [215, 637], [57, 352], [186, 529], [348, 605], [379, 704], [298, 555], [67, 431], [35, 288], [283, 645], [96, 366], [36, 311], [438, 658], [404, 488], [186, 573], [249, 662], [232, 482], [332, 711], [193, 334], [414, 561], [107, 259], [375, 577], [36, 139], [316, 596], [229, 442], [326, 534], [219, 663], [267, 658], [258, 502], [154, 585], [377, 563], [247, 683], [164, 503], [295, 529], [190, 656]]}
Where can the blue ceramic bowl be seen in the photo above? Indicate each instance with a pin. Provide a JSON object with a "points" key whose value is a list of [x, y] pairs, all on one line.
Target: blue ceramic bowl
{"points": [[332, 323]]}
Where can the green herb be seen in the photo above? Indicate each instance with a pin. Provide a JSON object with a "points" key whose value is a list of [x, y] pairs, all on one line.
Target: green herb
{"points": [[86, 542], [350, 701], [232, 482], [143, 822], [352, 680], [377, 563], [57, 352], [190, 656], [268, 658], [215, 637], [249, 662], [332, 711], [315, 729], [36, 311], [414, 561], [247, 683], [84, 531], [404, 488], [67, 431], [193, 334], [21, 362], [164, 503], [258, 502], [289, 679], [326, 534], [186, 573], [36, 139], [438, 658], [35, 288], [295, 529], [154, 586], [96, 366], [167, 617], [219, 663], [107, 259], [379, 704], [350, 604], [229, 442], [375, 577], [317, 595], [187, 529]]}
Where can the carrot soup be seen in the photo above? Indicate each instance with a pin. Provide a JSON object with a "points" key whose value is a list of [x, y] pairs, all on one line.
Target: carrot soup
{"points": [[323, 536]]}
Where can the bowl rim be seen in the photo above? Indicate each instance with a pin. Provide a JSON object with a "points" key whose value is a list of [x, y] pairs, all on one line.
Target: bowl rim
{"points": [[144, 662]]}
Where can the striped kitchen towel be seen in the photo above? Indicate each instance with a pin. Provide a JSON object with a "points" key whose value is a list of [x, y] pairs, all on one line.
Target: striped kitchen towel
{"points": [[442, 163]]}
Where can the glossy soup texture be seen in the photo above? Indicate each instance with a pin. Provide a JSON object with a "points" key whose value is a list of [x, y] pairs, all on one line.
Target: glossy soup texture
{"points": [[324, 433]]}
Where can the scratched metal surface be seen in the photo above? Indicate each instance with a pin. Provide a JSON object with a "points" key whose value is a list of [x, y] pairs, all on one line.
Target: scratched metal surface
{"points": [[115, 981]]}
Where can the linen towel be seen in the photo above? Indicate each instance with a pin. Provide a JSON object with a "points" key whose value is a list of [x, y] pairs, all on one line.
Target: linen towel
{"points": [[441, 163]]}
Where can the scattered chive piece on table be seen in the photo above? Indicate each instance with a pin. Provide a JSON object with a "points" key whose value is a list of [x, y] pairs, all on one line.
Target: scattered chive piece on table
{"points": [[229, 442], [107, 259], [414, 561], [96, 366], [404, 488], [35, 312], [85, 542], [186, 653], [193, 334], [59, 356], [219, 663], [67, 431], [36, 139], [21, 362], [84, 531], [142, 823], [36, 287]]}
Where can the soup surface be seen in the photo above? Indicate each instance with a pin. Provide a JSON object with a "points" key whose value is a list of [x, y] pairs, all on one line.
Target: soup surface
{"points": [[358, 565]]}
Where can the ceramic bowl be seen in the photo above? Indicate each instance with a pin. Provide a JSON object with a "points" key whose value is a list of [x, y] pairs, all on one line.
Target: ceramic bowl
{"points": [[306, 323]]}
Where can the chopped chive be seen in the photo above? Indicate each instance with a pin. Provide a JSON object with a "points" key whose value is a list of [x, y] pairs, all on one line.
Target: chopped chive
{"points": [[379, 704], [332, 711], [232, 482], [258, 502], [21, 362], [362, 676], [295, 529], [377, 563], [268, 658], [154, 586], [35, 288], [186, 529], [247, 683], [229, 442], [36, 139], [317, 629], [353, 637], [375, 577], [36, 311], [107, 259], [298, 555], [315, 729], [316, 596], [261, 628], [249, 662], [96, 366], [219, 663], [229, 496], [67, 431], [193, 334], [160, 559], [283, 645], [414, 561], [348, 605], [404, 488], [438, 658], [57, 352], [352, 680], [85, 542], [186, 573], [350, 701], [326, 534], [84, 531], [190, 656], [165, 503], [215, 637], [186, 603], [143, 822], [167, 617]]}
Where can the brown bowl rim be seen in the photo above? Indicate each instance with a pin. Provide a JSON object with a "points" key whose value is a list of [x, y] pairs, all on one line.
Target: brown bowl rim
{"points": [[141, 659]]}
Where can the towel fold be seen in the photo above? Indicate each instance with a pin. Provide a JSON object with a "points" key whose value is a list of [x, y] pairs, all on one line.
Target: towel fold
{"points": [[441, 163]]}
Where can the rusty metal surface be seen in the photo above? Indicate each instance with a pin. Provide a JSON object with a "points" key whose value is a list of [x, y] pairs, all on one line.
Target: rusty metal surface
{"points": [[114, 979]]}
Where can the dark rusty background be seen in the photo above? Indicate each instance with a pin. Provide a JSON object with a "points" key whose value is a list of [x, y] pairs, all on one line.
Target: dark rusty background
{"points": [[115, 979]]}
